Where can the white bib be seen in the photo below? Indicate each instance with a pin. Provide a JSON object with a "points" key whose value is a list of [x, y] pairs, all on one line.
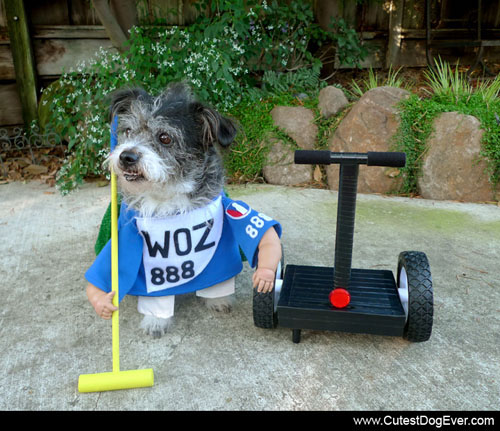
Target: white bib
{"points": [[178, 248]]}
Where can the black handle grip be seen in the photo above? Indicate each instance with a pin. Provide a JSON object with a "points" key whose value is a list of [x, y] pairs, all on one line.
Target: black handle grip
{"points": [[310, 157], [372, 158], [393, 159]]}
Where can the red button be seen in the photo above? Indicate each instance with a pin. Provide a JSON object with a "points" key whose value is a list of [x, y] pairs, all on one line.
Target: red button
{"points": [[340, 298]]}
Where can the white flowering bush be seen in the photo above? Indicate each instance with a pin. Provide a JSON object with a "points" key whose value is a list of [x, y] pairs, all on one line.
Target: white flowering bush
{"points": [[223, 55]]}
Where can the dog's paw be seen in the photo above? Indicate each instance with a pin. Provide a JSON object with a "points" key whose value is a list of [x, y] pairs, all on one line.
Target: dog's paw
{"points": [[223, 304], [156, 326]]}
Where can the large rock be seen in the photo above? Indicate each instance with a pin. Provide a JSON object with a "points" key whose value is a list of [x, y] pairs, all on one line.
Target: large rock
{"points": [[369, 126], [331, 100], [279, 168], [298, 123], [453, 168]]}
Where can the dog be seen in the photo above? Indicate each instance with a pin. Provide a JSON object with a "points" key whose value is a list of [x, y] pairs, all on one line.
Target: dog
{"points": [[178, 231]]}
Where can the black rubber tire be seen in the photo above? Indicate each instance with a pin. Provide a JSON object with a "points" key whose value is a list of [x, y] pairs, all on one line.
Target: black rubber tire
{"points": [[264, 314], [420, 295], [263, 310]]}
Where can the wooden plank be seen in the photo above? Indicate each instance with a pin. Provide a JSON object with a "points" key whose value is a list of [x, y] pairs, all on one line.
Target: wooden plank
{"points": [[445, 33], [55, 55], [3, 18], [324, 10], [60, 32], [349, 13], [395, 26], [98, 32], [189, 12], [414, 14], [11, 112], [51, 12], [125, 12], [69, 32], [81, 12], [375, 17], [162, 11], [7, 71], [22, 55]]}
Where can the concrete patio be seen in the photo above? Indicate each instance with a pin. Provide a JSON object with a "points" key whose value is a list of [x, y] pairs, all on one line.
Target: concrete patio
{"points": [[50, 334]]}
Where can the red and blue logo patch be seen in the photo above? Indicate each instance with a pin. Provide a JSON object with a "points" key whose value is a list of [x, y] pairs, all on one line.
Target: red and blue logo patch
{"points": [[238, 210]]}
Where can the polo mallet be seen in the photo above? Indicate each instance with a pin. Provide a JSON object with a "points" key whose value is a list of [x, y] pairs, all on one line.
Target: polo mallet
{"points": [[116, 379]]}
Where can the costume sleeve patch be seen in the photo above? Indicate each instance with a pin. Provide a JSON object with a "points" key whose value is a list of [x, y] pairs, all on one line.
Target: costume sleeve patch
{"points": [[248, 226]]}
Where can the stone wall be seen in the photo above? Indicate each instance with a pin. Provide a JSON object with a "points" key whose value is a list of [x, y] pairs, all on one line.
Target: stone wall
{"points": [[453, 168]]}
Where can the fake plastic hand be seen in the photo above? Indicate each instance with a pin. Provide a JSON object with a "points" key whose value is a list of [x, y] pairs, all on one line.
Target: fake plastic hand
{"points": [[101, 301], [263, 279]]}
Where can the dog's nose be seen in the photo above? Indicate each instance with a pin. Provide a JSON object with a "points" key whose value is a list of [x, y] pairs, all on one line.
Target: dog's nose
{"points": [[129, 158]]}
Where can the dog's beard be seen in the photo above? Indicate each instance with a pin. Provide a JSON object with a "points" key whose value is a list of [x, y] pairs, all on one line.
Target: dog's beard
{"points": [[151, 187]]}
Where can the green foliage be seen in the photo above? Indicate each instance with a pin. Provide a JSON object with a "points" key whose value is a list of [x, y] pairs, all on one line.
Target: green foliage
{"points": [[275, 35], [223, 55], [450, 92], [305, 80], [374, 80], [447, 84], [350, 50], [245, 158], [416, 117]]}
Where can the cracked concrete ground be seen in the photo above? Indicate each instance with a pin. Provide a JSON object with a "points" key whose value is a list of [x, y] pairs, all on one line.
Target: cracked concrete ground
{"points": [[50, 334]]}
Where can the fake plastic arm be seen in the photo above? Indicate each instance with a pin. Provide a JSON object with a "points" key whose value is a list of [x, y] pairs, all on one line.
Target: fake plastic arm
{"points": [[101, 301], [268, 258]]}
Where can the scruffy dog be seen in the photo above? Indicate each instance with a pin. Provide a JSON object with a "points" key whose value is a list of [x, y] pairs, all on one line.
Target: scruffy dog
{"points": [[178, 231]]}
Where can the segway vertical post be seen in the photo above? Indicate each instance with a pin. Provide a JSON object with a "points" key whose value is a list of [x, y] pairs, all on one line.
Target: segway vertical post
{"points": [[346, 210]]}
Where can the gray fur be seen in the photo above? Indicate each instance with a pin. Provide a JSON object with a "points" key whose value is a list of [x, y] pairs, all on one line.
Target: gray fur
{"points": [[183, 175]]}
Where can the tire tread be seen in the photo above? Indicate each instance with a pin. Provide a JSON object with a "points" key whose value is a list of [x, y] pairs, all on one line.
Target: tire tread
{"points": [[421, 298]]}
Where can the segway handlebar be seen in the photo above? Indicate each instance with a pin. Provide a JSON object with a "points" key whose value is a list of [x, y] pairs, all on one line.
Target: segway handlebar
{"points": [[371, 158]]}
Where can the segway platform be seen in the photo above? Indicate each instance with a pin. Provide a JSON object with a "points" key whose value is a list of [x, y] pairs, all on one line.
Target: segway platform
{"points": [[345, 299], [374, 308]]}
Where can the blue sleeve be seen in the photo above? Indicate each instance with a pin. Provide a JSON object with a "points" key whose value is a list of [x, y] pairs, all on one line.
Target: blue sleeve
{"points": [[129, 257], [248, 227]]}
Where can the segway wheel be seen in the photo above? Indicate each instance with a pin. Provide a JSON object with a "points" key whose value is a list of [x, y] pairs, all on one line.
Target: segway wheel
{"points": [[265, 304], [416, 295]]}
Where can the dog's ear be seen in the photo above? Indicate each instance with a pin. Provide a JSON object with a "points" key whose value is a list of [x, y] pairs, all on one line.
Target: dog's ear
{"points": [[121, 100], [177, 92], [215, 128]]}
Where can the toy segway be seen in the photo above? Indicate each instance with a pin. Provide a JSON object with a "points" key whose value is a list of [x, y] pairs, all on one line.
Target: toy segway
{"points": [[346, 299]]}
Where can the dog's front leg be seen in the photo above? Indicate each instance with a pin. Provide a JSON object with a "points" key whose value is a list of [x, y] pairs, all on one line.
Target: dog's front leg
{"points": [[158, 314], [156, 326]]}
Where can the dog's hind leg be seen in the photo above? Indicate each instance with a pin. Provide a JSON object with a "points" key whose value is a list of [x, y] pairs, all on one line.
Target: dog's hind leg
{"points": [[220, 297], [223, 304]]}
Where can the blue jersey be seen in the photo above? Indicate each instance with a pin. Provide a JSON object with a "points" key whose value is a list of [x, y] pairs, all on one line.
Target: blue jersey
{"points": [[166, 257]]}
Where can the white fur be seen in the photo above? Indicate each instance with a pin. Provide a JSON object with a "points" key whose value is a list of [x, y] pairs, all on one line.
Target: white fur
{"points": [[156, 326], [160, 194], [224, 304]]}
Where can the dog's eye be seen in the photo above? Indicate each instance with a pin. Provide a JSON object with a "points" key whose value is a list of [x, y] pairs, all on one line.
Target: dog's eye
{"points": [[127, 133], [165, 139]]}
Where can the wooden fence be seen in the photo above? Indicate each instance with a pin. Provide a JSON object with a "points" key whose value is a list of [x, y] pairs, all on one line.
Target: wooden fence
{"points": [[60, 33]]}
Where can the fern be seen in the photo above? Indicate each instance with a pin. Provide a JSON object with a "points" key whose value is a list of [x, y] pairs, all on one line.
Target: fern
{"points": [[302, 80]]}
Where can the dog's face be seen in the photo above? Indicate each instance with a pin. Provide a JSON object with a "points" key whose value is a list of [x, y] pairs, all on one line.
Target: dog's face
{"points": [[167, 145]]}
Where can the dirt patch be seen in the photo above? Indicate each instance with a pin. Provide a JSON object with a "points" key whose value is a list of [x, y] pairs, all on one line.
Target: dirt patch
{"points": [[21, 166]]}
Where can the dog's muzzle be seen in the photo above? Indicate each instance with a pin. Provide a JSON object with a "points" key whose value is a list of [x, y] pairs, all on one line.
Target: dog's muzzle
{"points": [[129, 161]]}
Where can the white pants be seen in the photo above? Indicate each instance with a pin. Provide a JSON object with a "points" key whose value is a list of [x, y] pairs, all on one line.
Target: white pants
{"points": [[163, 306]]}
